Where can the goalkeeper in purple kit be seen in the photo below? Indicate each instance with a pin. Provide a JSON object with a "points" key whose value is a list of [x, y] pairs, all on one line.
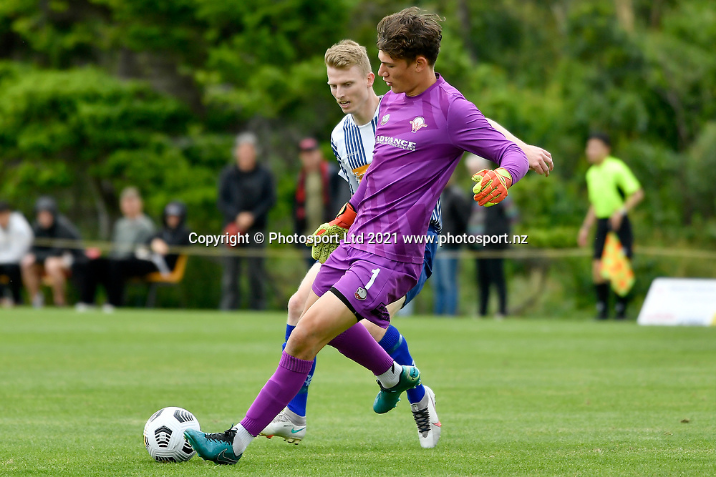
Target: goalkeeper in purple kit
{"points": [[424, 128]]}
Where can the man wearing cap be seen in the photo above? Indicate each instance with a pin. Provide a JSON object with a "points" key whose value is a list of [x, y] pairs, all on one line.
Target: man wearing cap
{"points": [[318, 193], [246, 194]]}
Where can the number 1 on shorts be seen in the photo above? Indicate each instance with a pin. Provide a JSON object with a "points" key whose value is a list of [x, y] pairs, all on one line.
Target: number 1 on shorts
{"points": [[372, 278]]}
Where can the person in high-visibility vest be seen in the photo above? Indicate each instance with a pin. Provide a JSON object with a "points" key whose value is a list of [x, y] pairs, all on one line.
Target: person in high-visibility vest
{"points": [[613, 192]]}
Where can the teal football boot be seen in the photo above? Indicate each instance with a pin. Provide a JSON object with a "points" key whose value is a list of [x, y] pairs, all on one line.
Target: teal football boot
{"points": [[387, 399], [216, 447]]}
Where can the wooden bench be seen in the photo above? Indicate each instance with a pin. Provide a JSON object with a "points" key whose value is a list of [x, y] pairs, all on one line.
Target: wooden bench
{"points": [[155, 279]]}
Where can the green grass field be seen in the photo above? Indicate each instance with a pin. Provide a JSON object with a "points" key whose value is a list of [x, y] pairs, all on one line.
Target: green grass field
{"points": [[518, 397]]}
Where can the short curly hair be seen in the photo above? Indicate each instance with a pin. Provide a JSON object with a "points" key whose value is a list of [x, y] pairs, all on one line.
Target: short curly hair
{"points": [[410, 33]]}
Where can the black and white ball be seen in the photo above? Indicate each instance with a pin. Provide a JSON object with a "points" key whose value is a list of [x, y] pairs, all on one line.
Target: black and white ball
{"points": [[164, 434]]}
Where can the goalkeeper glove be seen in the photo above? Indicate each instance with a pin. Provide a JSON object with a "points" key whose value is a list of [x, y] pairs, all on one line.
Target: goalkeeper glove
{"points": [[491, 186], [336, 229]]}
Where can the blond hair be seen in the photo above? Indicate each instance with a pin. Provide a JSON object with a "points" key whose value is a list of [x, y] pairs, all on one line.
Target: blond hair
{"points": [[348, 53], [130, 192]]}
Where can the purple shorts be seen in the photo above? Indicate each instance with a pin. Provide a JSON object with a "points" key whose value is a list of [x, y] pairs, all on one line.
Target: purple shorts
{"points": [[365, 282]]}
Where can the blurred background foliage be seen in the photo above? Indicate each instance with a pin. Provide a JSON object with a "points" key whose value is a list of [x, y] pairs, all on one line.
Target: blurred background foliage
{"points": [[99, 94]]}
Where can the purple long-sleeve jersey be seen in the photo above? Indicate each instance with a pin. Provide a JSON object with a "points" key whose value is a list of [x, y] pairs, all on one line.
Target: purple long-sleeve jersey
{"points": [[419, 142]]}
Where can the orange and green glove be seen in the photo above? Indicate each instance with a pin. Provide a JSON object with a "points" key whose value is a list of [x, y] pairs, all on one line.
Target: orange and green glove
{"points": [[491, 187], [336, 229]]}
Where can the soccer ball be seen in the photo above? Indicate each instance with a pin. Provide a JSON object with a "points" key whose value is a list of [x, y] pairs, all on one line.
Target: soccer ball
{"points": [[164, 434]]}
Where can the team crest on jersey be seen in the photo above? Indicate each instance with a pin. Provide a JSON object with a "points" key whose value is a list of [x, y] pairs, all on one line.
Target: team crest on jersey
{"points": [[384, 119], [418, 123], [361, 293]]}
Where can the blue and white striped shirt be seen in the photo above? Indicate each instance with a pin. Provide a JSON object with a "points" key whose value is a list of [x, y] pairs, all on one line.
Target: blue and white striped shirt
{"points": [[353, 147]]}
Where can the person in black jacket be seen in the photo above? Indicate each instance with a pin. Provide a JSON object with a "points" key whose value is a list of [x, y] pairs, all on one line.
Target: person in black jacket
{"points": [[246, 194], [494, 221], [154, 257], [455, 214], [318, 192], [54, 260]]}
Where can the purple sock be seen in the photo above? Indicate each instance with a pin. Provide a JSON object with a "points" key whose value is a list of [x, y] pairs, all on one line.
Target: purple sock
{"points": [[276, 393], [357, 344]]}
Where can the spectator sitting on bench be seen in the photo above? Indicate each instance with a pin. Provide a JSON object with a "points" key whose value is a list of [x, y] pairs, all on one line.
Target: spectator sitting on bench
{"points": [[15, 241], [155, 256], [132, 230], [56, 261]]}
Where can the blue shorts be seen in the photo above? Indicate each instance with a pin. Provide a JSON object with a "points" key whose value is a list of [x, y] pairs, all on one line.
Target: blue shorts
{"points": [[430, 249]]}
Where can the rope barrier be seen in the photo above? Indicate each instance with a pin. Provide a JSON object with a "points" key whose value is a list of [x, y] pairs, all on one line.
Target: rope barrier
{"points": [[516, 253]]}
